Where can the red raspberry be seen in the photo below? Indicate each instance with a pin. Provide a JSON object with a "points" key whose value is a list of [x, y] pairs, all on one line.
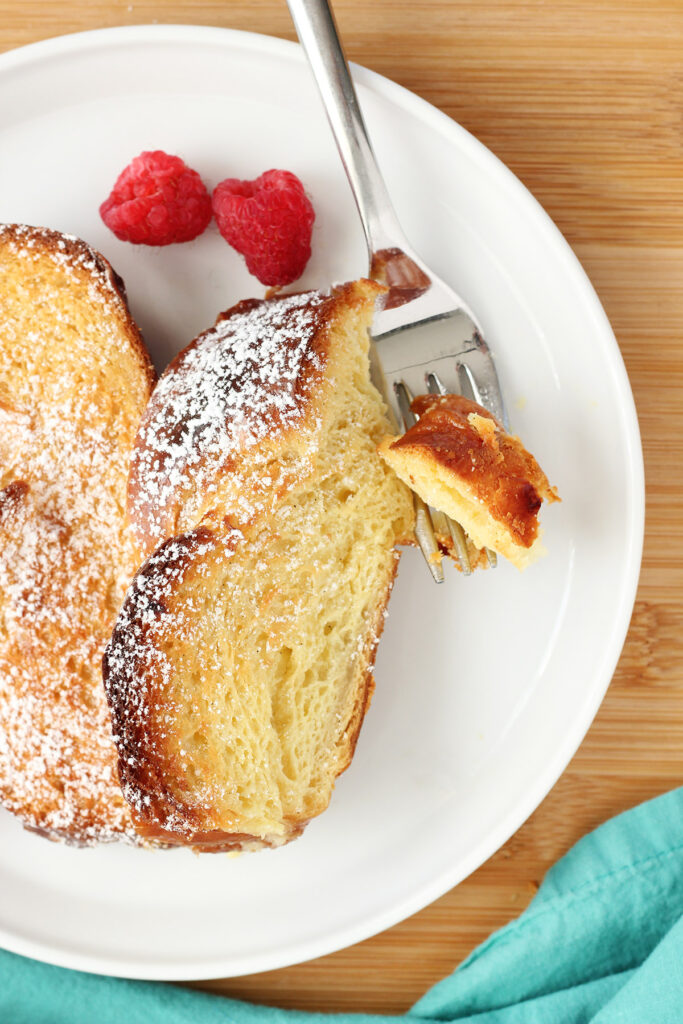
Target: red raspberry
{"points": [[157, 199], [268, 220]]}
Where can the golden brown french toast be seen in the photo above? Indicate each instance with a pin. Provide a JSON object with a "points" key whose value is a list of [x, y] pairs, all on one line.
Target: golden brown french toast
{"points": [[460, 460], [239, 669], [74, 380]]}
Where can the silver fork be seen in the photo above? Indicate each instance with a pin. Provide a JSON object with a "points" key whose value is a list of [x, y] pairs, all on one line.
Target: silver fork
{"points": [[426, 338]]}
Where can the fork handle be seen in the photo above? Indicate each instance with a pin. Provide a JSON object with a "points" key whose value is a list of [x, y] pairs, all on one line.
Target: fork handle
{"points": [[317, 31]]}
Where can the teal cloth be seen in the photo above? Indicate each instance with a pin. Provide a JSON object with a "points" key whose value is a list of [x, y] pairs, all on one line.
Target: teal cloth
{"points": [[602, 942]]}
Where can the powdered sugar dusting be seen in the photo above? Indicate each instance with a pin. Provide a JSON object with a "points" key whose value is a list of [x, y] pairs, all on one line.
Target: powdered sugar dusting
{"points": [[238, 383], [65, 554]]}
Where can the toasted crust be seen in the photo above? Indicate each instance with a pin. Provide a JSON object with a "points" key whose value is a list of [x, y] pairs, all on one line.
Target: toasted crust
{"points": [[366, 683], [74, 379], [461, 461], [214, 672]]}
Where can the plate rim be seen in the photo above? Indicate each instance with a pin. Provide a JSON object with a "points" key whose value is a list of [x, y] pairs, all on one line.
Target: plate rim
{"points": [[424, 111]]}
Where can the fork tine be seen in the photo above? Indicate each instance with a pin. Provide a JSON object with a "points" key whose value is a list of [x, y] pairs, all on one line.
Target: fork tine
{"points": [[460, 544], [424, 527], [443, 526], [468, 383], [427, 541], [465, 372], [479, 370], [436, 387], [404, 399]]}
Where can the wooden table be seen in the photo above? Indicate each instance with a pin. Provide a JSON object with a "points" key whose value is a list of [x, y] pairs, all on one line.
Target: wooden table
{"points": [[583, 99]]}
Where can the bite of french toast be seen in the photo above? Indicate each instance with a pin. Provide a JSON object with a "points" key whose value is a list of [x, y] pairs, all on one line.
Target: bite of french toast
{"points": [[460, 460]]}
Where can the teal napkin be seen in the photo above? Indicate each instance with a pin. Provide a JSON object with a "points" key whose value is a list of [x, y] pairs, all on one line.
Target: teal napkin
{"points": [[602, 942]]}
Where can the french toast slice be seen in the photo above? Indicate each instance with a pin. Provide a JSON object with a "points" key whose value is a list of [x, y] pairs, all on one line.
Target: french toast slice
{"points": [[74, 380], [460, 460], [240, 667]]}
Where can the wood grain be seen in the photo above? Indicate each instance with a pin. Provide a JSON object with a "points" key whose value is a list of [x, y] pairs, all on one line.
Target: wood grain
{"points": [[584, 101]]}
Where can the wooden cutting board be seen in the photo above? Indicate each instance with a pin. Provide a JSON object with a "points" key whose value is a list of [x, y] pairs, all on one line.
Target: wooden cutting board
{"points": [[583, 100]]}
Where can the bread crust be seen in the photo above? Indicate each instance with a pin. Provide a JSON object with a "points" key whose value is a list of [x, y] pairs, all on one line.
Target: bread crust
{"points": [[366, 685]]}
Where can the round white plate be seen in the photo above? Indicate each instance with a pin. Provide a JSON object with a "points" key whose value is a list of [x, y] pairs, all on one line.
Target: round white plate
{"points": [[485, 687]]}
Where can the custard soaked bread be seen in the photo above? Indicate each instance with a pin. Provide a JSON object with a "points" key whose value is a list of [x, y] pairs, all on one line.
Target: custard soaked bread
{"points": [[239, 670], [74, 380], [460, 460]]}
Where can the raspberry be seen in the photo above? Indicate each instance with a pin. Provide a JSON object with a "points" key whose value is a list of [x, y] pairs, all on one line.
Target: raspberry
{"points": [[157, 199], [269, 221]]}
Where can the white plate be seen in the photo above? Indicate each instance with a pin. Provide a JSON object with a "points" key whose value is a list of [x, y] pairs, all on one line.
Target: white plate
{"points": [[485, 687]]}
